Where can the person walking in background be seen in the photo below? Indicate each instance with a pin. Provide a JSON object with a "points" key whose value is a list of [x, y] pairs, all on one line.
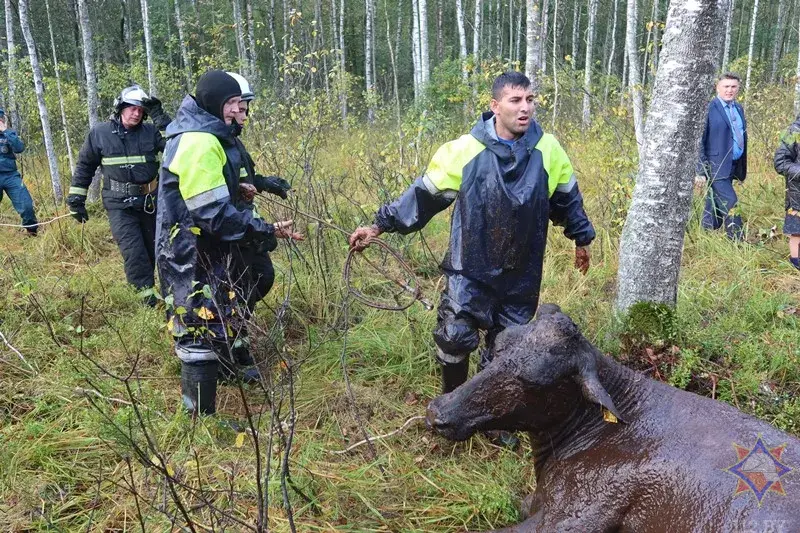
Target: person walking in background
{"points": [[10, 178], [787, 164], [723, 157], [126, 148]]}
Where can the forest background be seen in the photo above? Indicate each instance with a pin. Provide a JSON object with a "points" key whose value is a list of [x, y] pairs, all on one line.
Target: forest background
{"points": [[353, 98]]}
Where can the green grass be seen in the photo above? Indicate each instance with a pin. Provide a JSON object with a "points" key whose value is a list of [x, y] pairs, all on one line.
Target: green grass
{"points": [[63, 463]]}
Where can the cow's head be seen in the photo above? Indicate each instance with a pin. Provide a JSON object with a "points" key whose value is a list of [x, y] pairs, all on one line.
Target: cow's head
{"points": [[540, 373]]}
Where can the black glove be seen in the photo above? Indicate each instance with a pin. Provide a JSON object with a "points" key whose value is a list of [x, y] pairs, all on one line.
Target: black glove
{"points": [[78, 211], [272, 184], [152, 106]]}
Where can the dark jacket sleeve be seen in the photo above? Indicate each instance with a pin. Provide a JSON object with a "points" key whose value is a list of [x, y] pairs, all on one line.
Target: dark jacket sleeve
{"points": [[160, 142], [414, 208], [89, 159], [16, 143], [786, 162], [702, 163], [566, 210]]}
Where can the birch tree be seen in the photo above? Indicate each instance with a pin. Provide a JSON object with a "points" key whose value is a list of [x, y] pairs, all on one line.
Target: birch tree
{"points": [[476, 36], [238, 31], [368, 66], [555, 53], [612, 53], [252, 67], [462, 38], [92, 102], [187, 62], [416, 54], [13, 111], [58, 87], [148, 48], [750, 49], [652, 239], [576, 20], [38, 86], [424, 55], [777, 41], [727, 46], [634, 77], [533, 41], [587, 74]]}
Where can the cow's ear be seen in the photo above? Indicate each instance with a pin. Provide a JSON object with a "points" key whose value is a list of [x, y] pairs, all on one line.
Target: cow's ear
{"points": [[594, 391]]}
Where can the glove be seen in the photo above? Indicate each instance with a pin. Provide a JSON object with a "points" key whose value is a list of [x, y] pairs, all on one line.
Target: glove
{"points": [[78, 212], [152, 106], [272, 184]]}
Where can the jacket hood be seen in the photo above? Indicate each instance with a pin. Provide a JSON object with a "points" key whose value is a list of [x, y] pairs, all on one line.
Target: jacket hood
{"points": [[484, 131], [191, 117]]}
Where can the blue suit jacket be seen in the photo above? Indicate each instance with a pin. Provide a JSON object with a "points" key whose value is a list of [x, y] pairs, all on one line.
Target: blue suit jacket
{"points": [[716, 147]]}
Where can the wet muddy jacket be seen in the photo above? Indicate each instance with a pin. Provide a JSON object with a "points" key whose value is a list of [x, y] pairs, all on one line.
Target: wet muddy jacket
{"points": [[787, 163], [199, 219], [504, 197]]}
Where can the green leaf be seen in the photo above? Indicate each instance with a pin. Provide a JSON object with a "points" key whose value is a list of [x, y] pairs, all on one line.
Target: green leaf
{"points": [[195, 230]]}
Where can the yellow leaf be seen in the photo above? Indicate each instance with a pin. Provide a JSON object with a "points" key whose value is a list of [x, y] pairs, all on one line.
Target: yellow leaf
{"points": [[205, 313], [608, 416], [240, 439], [171, 324], [170, 470], [231, 295]]}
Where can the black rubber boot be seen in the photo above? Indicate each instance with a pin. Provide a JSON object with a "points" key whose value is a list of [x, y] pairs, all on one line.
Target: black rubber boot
{"points": [[229, 370], [453, 375], [199, 387]]}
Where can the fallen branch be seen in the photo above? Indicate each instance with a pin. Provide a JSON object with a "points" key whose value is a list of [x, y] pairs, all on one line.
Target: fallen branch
{"points": [[379, 437], [21, 357], [80, 391]]}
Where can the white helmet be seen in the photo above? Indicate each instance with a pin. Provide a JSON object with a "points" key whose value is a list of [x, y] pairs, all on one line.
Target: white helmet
{"points": [[244, 86], [133, 95]]}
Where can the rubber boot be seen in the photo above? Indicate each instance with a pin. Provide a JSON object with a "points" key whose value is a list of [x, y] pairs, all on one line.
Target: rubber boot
{"points": [[453, 375], [199, 387], [230, 367]]}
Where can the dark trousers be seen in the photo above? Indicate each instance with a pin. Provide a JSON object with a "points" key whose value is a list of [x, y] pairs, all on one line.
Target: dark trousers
{"points": [[257, 274], [720, 210], [11, 184], [135, 233]]}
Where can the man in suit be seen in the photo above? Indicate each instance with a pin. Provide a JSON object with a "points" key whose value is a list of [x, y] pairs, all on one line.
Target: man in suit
{"points": [[723, 157]]}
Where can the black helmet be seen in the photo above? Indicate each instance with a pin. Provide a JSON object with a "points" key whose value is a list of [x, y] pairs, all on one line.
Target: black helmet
{"points": [[133, 95]]}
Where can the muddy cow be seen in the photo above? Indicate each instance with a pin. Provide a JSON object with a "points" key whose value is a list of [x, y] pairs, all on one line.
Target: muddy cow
{"points": [[615, 451]]}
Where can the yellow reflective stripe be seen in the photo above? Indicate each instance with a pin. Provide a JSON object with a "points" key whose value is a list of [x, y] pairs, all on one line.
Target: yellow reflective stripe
{"points": [[78, 190], [242, 172], [198, 162], [447, 164], [256, 214], [560, 174], [123, 160]]}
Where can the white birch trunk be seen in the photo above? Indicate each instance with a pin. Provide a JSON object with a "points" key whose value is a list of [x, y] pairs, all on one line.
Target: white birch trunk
{"points": [[576, 19], [424, 55], [797, 83], [252, 65], [545, 22], [342, 73], [92, 101], [187, 62], [656, 36], [750, 49], [368, 61], [148, 48], [533, 41], [238, 31], [38, 85], [58, 87], [555, 70], [726, 51], [462, 38], [415, 50], [652, 239], [778, 40], [518, 33], [273, 40], [612, 53], [589, 64], [510, 33], [13, 110], [634, 78], [476, 36]]}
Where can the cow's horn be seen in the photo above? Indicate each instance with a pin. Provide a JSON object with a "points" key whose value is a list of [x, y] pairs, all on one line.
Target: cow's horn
{"points": [[594, 391]]}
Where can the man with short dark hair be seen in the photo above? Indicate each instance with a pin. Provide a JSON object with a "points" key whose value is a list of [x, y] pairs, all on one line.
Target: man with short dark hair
{"points": [[723, 157], [126, 148], [507, 179], [10, 178]]}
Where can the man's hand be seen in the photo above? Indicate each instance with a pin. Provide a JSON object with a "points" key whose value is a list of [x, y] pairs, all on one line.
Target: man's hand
{"points": [[152, 105], [247, 191], [78, 212], [582, 258], [360, 237], [284, 230], [3, 125], [272, 184]]}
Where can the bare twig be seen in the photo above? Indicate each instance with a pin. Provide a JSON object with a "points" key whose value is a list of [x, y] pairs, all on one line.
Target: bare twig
{"points": [[379, 437], [21, 357]]}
